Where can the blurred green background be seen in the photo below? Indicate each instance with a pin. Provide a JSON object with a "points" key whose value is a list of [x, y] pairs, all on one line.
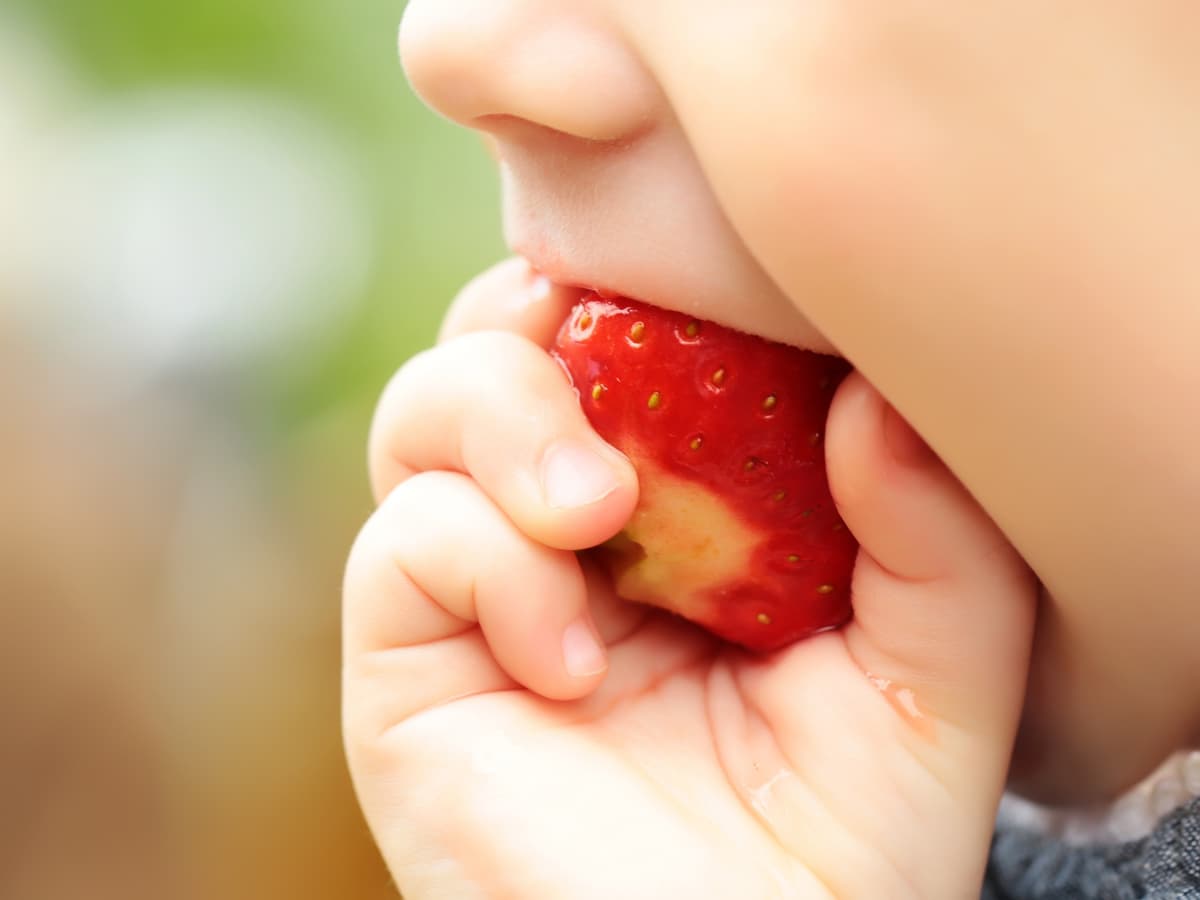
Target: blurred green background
{"points": [[223, 226]]}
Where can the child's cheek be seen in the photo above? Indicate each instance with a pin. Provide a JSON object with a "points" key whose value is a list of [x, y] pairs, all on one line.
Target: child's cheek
{"points": [[855, 196], [880, 139], [816, 137]]}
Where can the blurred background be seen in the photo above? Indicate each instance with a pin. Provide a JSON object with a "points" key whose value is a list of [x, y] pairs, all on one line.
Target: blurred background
{"points": [[223, 225]]}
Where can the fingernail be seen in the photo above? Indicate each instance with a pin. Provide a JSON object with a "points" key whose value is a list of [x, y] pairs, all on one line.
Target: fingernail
{"points": [[583, 655], [905, 444], [574, 475]]}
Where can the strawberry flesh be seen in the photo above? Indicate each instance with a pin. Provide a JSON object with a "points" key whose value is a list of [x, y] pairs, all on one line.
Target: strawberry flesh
{"points": [[735, 528]]}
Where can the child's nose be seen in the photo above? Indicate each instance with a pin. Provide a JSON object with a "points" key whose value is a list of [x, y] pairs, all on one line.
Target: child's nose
{"points": [[487, 62]]}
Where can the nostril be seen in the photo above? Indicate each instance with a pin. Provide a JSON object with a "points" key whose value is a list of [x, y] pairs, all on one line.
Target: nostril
{"points": [[486, 64], [499, 129]]}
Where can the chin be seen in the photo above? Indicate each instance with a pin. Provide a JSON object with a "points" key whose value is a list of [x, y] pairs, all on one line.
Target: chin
{"points": [[1060, 762], [1044, 771]]}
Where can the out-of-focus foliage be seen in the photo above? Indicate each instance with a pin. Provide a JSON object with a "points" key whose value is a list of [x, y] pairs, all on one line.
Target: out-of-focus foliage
{"points": [[223, 226], [432, 193]]}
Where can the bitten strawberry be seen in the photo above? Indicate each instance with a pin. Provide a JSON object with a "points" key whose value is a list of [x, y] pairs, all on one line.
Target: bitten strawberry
{"points": [[735, 528]]}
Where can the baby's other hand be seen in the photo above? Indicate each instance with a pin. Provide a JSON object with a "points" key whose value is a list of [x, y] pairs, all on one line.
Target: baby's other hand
{"points": [[499, 750]]}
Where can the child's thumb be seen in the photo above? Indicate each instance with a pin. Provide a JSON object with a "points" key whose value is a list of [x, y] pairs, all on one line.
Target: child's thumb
{"points": [[943, 605]]}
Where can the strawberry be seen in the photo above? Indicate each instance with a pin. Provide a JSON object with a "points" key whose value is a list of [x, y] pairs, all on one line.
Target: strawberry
{"points": [[735, 528]]}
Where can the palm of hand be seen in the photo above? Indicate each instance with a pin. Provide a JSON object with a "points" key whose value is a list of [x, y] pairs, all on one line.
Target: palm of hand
{"points": [[694, 771]]}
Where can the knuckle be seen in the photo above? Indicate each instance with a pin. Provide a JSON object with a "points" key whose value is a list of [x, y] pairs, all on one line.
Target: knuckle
{"points": [[407, 504]]}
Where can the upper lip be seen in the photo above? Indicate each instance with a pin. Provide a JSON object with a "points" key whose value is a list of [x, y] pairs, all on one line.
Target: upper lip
{"points": [[626, 250], [558, 270]]}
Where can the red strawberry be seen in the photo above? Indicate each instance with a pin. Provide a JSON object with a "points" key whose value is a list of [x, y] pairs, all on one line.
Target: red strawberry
{"points": [[735, 529]]}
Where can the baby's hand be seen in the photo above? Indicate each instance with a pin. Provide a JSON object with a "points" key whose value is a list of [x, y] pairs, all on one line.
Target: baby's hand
{"points": [[498, 751], [489, 476]]}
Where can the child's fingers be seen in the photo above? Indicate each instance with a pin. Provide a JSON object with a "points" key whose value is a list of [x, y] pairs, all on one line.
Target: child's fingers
{"points": [[943, 605], [435, 560], [495, 406], [510, 296]]}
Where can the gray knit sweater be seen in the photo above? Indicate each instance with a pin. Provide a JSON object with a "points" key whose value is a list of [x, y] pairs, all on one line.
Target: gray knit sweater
{"points": [[1165, 865]]}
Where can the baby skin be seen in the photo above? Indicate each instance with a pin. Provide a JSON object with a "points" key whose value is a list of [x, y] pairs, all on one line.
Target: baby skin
{"points": [[992, 217], [516, 730]]}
